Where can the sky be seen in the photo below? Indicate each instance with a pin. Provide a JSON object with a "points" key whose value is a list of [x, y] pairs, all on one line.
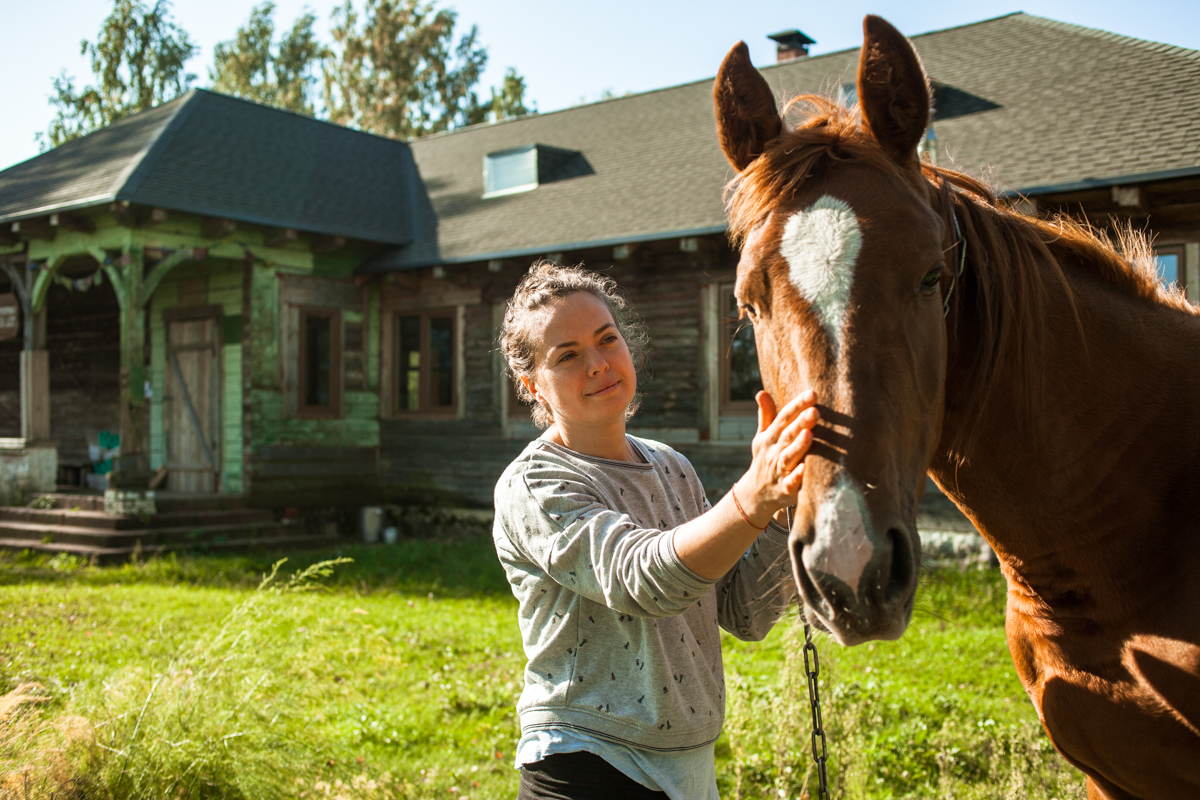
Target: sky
{"points": [[568, 51]]}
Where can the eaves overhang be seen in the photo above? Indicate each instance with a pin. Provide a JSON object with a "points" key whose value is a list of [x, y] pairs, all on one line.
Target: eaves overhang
{"points": [[383, 263], [248, 219], [1100, 183]]}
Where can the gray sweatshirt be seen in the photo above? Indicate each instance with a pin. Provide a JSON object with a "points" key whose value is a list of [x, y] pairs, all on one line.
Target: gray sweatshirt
{"points": [[621, 637]]}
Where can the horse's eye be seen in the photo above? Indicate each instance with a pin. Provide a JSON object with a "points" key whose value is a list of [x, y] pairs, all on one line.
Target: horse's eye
{"points": [[929, 283], [748, 310]]}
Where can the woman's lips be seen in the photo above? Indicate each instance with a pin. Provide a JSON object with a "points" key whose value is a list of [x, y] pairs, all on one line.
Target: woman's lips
{"points": [[605, 390]]}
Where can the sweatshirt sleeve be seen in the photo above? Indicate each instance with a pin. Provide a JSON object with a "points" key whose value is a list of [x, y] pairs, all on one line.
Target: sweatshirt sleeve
{"points": [[556, 520], [754, 595]]}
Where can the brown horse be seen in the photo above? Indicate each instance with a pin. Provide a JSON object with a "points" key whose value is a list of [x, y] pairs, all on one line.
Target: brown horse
{"points": [[1036, 371]]}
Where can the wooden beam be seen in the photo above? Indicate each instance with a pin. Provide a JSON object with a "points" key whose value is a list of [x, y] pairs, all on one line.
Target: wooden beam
{"points": [[127, 214], [218, 228], [39, 228], [327, 244], [280, 237], [72, 222]]}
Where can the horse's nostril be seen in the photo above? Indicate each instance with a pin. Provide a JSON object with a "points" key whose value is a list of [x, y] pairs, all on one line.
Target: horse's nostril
{"points": [[899, 579]]}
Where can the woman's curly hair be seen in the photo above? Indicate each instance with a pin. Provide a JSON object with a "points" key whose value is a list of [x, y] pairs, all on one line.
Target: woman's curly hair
{"points": [[545, 283]]}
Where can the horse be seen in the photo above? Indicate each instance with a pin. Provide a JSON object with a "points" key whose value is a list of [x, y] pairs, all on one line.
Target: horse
{"points": [[1034, 367]]}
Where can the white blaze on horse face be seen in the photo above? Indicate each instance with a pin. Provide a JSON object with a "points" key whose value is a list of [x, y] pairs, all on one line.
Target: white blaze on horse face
{"points": [[821, 245], [841, 547]]}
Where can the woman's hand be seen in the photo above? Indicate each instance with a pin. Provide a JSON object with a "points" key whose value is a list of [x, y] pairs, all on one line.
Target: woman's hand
{"points": [[712, 543], [777, 471]]}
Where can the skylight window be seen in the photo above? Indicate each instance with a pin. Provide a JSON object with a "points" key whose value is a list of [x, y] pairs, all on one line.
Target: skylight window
{"points": [[510, 171]]}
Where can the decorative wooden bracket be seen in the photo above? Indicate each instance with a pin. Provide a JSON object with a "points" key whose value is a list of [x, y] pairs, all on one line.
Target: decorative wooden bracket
{"points": [[154, 278], [41, 285]]}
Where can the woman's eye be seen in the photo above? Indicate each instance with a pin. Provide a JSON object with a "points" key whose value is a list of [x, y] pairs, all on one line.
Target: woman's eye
{"points": [[565, 357], [929, 283]]}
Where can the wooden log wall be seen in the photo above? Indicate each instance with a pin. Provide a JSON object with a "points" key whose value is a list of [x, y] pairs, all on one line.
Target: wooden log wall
{"points": [[457, 461]]}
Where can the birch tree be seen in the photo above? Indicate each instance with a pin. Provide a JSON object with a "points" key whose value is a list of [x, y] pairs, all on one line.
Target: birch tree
{"points": [[279, 73]]}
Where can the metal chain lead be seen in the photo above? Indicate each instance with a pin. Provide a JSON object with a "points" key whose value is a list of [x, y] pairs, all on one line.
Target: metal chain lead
{"points": [[814, 699], [811, 672]]}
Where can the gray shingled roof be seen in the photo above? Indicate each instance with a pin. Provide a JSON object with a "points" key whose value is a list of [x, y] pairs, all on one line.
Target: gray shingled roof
{"points": [[205, 153], [1030, 104]]}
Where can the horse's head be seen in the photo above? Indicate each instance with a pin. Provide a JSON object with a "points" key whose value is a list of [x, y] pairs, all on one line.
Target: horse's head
{"points": [[842, 272]]}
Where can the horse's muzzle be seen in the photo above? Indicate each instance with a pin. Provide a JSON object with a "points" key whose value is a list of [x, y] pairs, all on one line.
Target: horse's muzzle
{"points": [[857, 577]]}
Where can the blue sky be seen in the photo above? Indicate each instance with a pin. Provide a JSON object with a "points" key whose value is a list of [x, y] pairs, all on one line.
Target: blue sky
{"points": [[567, 50]]}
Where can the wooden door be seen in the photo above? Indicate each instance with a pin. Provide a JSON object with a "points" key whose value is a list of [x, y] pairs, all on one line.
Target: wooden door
{"points": [[193, 405]]}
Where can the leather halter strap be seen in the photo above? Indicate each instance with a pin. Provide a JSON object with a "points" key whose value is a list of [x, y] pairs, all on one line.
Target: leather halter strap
{"points": [[961, 244]]}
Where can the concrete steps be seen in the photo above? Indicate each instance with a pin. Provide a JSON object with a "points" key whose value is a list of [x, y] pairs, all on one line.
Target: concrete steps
{"points": [[77, 524]]}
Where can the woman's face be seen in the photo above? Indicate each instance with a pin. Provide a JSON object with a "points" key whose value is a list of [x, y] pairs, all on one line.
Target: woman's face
{"points": [[582, 367]]}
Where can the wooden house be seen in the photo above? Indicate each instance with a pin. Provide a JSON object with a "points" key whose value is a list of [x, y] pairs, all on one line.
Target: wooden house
{"points": [[296, 313], [185, 282]]}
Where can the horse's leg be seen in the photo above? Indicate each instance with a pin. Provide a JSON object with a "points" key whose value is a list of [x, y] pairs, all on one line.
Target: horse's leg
{"points": [[1110, 793]]}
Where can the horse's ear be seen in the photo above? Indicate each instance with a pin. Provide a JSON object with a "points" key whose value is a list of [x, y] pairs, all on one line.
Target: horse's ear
{"points": [[747, 117], [893, 90]]}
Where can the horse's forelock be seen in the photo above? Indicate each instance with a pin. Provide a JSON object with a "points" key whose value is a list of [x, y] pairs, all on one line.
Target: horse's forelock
{"points": [[828, 131]]}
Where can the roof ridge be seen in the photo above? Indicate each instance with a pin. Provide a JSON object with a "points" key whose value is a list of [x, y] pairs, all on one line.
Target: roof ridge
{"points": [[1100, 33], [709, 79], [305, 117], [141, 164]]}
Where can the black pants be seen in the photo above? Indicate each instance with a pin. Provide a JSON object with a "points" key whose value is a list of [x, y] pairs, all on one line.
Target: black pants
{"points": [[579, 776]]}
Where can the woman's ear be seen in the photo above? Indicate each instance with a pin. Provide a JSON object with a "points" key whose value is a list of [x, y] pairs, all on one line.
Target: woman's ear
{"points": [[531, 387]]}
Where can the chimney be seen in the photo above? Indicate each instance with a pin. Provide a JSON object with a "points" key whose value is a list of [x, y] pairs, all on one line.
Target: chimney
{"points": [[790, 44]]}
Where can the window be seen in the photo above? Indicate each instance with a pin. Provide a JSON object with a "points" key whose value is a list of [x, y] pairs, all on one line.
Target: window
{"points": [[1170, 262], [510, 171], [521, 169], [425, 350], [320, 374], [740, 380]]}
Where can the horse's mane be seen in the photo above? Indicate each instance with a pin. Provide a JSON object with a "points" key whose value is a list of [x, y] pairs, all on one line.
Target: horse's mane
{"points": [[1010, 255]]}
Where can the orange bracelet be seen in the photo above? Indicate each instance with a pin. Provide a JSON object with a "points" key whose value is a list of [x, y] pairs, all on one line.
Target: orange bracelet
{"points": [[743, 513]]}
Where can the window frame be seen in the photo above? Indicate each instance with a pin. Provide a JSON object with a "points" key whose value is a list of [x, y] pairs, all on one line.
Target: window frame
{"points": [[492, 160], [1181, 270], [334, 409], [425, 407], [726, 333]]}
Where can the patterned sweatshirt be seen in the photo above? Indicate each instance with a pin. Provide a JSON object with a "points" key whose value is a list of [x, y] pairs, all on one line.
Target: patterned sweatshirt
{"points": [[621, 637]]}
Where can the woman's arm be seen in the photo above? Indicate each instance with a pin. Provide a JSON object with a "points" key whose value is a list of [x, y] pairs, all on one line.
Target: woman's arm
{"points": [[711, 544]]}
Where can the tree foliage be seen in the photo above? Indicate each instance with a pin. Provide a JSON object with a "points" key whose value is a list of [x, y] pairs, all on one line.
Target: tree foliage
{"points": [[396, 70], [509, 100], [252, 65], [138, 62]]}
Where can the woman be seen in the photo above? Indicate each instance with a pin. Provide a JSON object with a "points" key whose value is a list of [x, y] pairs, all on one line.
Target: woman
{"points": [[622, 569]]}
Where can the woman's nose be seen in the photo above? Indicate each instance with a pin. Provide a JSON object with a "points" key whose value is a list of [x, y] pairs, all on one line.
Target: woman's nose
{"points": [[597, 364]]}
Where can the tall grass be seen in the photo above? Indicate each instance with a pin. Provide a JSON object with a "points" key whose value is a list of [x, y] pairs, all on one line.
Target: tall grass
{"points": [[213, 722], [887, 737]]}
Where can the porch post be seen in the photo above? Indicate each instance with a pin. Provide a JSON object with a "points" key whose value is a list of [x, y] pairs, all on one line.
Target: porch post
{"points": [[131, 470], [35, 380]]}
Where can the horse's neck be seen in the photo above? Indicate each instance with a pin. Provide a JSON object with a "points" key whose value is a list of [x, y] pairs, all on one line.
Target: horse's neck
{"points": [[1114, 442]]}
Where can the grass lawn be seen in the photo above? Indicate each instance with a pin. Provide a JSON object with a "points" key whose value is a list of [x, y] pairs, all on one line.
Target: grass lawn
{"points": [[396, 676]]}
